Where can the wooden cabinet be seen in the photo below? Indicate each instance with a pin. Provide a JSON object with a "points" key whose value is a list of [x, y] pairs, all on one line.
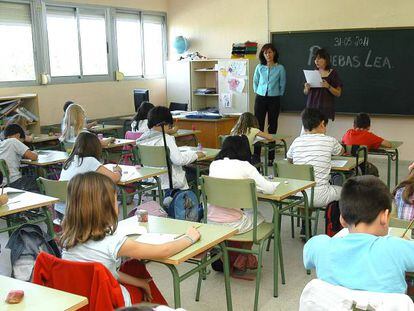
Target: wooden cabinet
{"points": [[210, 129], [30, 103]]}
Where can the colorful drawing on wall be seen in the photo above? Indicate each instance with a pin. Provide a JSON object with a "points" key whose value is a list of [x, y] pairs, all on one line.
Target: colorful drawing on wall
{"points": [[236, 84], [226, 100], [223, 72], [237, 68]]}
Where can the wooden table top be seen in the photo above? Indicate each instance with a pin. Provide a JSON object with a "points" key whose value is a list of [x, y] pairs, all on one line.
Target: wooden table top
{"points": [[350, 163], [209, 152], [48, 157], [131, 174], [119, 143], [37, 297], [41, 138], [286, 188], [261, 140], [20, 201], [183, 133], [106, 128], [395, 144], [211, 235]]}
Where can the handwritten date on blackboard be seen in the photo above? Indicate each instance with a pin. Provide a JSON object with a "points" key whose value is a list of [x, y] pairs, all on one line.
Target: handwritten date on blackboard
{"points": [[351, 41]]}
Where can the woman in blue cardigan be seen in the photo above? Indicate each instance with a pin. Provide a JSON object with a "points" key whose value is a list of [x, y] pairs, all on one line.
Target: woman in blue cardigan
{"points": [[269, 82]]}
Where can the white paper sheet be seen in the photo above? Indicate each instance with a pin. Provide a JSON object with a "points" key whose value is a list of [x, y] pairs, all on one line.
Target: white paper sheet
{"points": [[226, 100], [313, 77], [339, 163], [156, 238], [131, 230]]}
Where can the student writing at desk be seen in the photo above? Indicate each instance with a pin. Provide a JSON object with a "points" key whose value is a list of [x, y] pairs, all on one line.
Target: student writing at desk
{"points": [[12, 150]]}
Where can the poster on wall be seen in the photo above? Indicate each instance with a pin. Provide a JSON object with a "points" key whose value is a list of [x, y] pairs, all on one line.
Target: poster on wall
{"points": [[236, 84], [237, 68], [226, 100]]}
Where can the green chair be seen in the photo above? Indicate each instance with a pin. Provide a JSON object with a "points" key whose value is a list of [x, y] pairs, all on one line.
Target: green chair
{"points": [[359, 152], [53, 188], [285, 169], [240, 194], [4, 169]]}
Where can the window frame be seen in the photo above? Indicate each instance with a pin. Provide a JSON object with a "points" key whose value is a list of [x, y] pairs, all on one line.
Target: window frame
{"points": [[41, 45]]}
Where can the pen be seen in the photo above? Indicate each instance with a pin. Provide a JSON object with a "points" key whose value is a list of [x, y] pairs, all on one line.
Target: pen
{"points": [[183, 234], [408, 228]]}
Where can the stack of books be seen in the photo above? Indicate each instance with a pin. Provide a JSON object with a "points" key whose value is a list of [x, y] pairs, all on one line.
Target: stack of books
{"points": [[204, 91], [244, 50]]}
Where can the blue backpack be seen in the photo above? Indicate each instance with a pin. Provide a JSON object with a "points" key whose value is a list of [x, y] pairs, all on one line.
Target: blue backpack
{"points": [[183, 205]]}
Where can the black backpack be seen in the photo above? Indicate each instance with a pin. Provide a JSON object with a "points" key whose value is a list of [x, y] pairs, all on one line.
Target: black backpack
{"points": [[25, 244]]}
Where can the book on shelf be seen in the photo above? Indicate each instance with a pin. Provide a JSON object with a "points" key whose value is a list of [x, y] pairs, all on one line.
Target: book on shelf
{"points": [[204, 91], [31, 117], [8, 107]]}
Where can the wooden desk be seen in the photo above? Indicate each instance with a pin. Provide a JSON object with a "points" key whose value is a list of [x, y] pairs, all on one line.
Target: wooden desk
{"points": [[42, 138], [37, 297], [392, 155], [286, 189], [21, 201], [120, 143], [272, 145], [211, 235], [182, 137], [209, 152], [211, 129], [100, 128], [133, 175], [48, 157]]}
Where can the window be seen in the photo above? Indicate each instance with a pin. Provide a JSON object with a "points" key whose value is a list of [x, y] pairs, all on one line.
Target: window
{"points": [[154, 45], [16, 54], [77, 42], [128, 39]]}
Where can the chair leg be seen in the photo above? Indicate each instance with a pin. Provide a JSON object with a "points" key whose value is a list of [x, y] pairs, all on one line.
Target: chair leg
{"points": [[201, 276], [258, 276], [315, 227], [282, 267], [269, 241], [292, 222]]}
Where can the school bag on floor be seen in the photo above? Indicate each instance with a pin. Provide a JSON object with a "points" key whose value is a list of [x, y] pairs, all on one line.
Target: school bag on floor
{"points": [[25, 243], [332, 223], [180, 204]]}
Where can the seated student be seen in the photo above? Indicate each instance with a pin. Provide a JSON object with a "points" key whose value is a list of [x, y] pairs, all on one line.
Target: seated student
{"points": [[88, 124], [23, 122], [404, 198], [86, 156], [360, 135], [153, 137], [316, 148], [249, 126], [367, 258], [233, 162], [140, 120], [12, 150], [89, 235]]}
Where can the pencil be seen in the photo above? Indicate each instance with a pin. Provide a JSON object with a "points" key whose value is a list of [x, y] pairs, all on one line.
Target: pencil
{"points": [[408, 228], [183, 234]]}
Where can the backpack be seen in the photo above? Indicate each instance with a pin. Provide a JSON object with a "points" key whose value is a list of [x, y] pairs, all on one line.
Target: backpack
{"points": [[183, 205], [332, 223], [25, 243]]}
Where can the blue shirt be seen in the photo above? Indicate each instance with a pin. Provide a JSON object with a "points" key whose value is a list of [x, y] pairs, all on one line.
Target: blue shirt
{"points": [[269, 79], [361, 261]]}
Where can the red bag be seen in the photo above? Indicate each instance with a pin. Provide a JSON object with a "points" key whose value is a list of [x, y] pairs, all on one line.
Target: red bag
{"points": [[332, 223]]}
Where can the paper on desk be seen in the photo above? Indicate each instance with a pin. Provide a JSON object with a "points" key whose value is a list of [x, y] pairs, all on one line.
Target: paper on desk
{"points": [[338, 163], [313, 77], [156, 238], [185, 148], [258, 138], [131, 230]]}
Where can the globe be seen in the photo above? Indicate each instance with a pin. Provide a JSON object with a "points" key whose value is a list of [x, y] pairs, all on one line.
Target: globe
{"points": [[180, 44]]}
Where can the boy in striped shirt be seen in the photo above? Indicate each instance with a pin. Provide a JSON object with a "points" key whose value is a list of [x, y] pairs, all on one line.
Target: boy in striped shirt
{"points": [[317, 149]]}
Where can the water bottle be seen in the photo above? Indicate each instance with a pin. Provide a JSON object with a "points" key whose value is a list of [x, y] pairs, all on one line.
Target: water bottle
{"points": [[199, 147]]}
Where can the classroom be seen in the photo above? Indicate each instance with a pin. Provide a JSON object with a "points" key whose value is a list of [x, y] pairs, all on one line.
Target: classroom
{"points": [[131, 46]]}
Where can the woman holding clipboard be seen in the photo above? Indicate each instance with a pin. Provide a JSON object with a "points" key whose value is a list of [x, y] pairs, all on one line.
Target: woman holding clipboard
{"points": [[323, 97]]}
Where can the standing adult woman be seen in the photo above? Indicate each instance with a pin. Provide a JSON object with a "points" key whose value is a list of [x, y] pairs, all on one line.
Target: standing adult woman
{"points": [[269, 82], [323, 98]]}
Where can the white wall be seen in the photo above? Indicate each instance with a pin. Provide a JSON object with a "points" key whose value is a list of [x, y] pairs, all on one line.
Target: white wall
{"points": [[100, 99], [212, 26]]}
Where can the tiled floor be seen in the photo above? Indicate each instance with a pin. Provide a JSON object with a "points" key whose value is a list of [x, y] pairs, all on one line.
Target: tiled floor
{"points": [[212, 294]]}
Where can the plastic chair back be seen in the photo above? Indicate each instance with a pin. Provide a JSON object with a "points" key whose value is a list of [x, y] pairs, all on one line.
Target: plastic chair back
{"points": [[5, 170], [150, 155], [53, 188], [229, 193]]}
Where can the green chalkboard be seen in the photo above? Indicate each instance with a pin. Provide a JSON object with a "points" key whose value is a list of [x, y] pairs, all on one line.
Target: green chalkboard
{"points": [[376, 68]]}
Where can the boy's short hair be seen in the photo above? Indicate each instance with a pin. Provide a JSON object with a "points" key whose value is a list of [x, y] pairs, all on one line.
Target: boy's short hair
{"points": [[158, 115], [311, 118], [362, 121], [363, 198], [67, 104], [13, 129]]}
